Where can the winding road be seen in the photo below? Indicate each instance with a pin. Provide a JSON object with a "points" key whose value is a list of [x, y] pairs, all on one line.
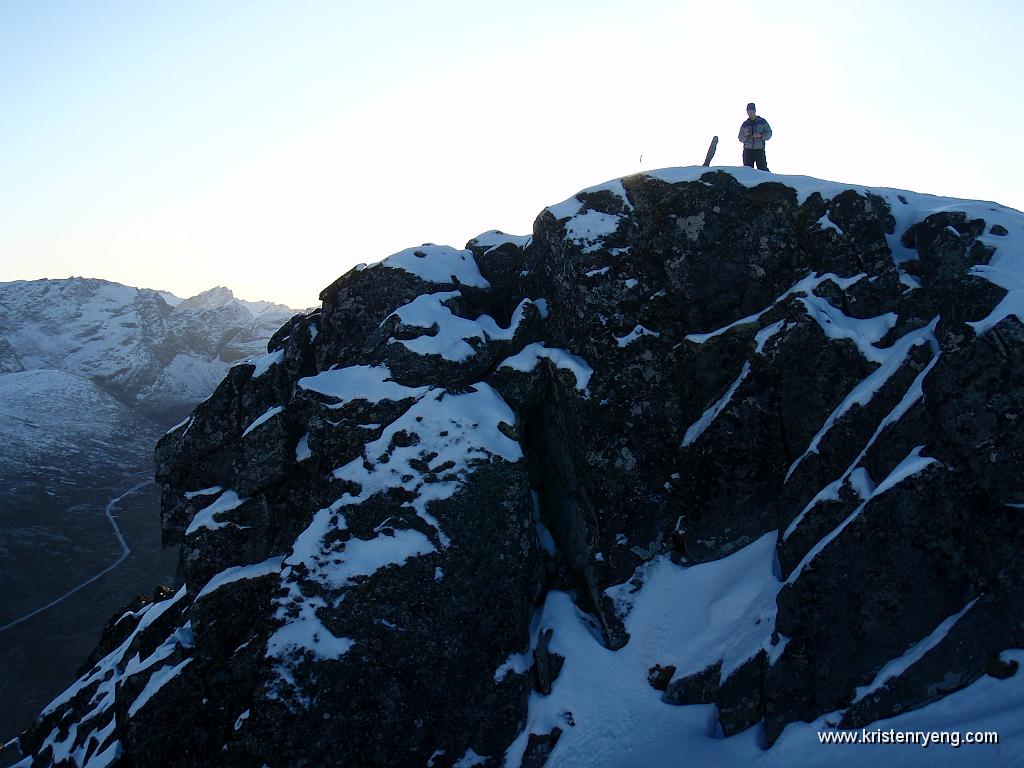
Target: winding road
{"points": [[125, 551]]}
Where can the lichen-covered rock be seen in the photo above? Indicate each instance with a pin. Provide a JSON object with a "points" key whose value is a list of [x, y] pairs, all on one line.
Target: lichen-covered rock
{"points": [[698, 688]]}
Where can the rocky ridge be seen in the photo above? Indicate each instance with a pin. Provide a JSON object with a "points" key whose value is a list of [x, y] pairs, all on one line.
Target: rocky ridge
{"points": [[397, 520]]}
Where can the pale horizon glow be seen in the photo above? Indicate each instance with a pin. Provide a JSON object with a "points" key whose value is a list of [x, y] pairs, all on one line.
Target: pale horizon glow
{"points": [[270, 147]]}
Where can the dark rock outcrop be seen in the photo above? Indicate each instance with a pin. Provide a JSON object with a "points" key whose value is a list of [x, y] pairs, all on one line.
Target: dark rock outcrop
{"points": [[370, 514]]}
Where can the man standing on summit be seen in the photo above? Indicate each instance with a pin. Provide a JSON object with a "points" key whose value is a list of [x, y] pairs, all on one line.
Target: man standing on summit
{"points": [[754, 132]]}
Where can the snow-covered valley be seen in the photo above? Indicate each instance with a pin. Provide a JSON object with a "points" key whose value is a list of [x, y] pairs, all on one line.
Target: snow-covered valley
{"points": [[92, 373]]}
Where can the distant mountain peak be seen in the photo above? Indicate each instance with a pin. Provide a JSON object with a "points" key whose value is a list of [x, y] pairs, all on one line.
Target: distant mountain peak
{"points": [[209, 299], [221, 296]]}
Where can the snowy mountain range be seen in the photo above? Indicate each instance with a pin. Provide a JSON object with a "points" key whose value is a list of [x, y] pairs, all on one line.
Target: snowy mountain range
{"points": [[92, 373], [149, 350], [714, 467]]}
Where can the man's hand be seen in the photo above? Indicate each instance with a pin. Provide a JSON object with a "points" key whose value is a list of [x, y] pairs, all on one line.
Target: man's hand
{"points": [[758, 135]]}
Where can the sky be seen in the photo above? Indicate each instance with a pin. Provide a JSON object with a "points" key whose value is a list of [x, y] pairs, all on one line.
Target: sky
{"points": [[271, 146]]}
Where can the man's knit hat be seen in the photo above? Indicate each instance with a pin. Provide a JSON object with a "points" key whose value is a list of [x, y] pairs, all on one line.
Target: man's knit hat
{"points": [[752, 106]]}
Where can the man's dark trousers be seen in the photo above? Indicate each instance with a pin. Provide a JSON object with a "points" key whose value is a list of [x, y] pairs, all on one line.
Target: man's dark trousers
{"points": [[752, 156]]}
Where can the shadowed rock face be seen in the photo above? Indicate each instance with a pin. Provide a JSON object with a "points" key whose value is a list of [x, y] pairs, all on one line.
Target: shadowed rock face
{"points": [[370, 514]]}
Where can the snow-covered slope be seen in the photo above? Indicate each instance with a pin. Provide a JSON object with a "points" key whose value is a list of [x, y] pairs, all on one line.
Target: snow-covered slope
{"points": [[609, 716], [56, 418]]}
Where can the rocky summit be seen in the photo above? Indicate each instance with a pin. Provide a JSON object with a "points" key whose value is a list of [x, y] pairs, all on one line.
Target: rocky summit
{"points": [[713, 462]]}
